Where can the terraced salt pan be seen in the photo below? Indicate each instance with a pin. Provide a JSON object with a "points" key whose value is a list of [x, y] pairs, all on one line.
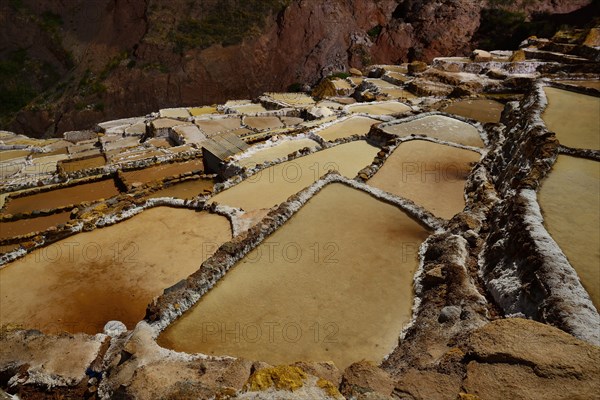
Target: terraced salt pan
{"points": [[280, 150], [39, 224], [43, 165], [397, 93], [275, 184], [214, 126], [570, 201], [481, 110], [80, 283], [82, 164], [291, 121], [162, 171], [249, 108], [430, 174], [262, 123], [185, 190], [174, 113], [294, 99], [195, 111], [386, 108], [439, 127], [334, 105], [62, 197], [587, 84], [333, 283], [161, 142], [352, 126], [6, 155], [574, 117]]}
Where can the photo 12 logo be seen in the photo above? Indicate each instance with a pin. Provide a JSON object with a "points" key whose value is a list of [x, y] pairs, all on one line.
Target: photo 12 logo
{"points": [[75, 252], [421, 172], [292, 172], [269, 332]]}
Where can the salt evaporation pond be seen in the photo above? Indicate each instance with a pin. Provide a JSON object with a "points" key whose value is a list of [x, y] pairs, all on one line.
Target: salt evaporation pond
{"points": [[57, 198], [80, 283], [29, 225], [275, 184], [582, 83], [430, 174], [439, 127], [386, 108], [333, 283], [570, 201], [574, 117], [279, 150], [185, 190], [351, 126], [162, 171], [481, 110]]}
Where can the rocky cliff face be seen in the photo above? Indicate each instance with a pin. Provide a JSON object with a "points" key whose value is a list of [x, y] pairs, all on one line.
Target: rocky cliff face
{"points": [[68, 64]]}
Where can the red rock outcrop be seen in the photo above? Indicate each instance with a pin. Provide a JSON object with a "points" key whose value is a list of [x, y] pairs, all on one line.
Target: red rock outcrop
{"points": [[120, 58]]}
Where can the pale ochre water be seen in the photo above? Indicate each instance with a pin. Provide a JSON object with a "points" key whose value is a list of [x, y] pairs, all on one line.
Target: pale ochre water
{"points": [[439, 127], [574, 117], [62, 197], [349, 127], [333, 283], [481, 110], [570, 203], [80, 283], [279, 151], [274, 185], [391, 107], [39, 224], [185, 190], [430, 174], [588, 84]]}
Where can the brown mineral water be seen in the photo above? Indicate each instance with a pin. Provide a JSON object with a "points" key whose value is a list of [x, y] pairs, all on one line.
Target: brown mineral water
{"points": [[333, 283], [430, 174], [570, 203], [574, 117], [80, 283]]}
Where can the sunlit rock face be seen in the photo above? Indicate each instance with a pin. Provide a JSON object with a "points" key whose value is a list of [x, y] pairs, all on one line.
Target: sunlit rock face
{"points": [[81, 57]]}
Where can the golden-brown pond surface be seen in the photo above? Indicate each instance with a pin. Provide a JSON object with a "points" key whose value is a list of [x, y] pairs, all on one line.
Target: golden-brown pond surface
{"points": [[481, 110], [185, 190], [62, 197], [280, 150], [275, 184], [78, 165], [80, 283], [349, 127], [430, 174], [570, 203], [162, 171], [333, 283], [574, 117], [29, 225], [587, 84]]}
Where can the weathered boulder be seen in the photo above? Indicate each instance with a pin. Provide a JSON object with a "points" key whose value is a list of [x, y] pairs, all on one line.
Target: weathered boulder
{"points": [[517, 56], [424, 385], [364, 377], [481, 56], [355, 72], [518, 358], [416, 66], [423, 87]]}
